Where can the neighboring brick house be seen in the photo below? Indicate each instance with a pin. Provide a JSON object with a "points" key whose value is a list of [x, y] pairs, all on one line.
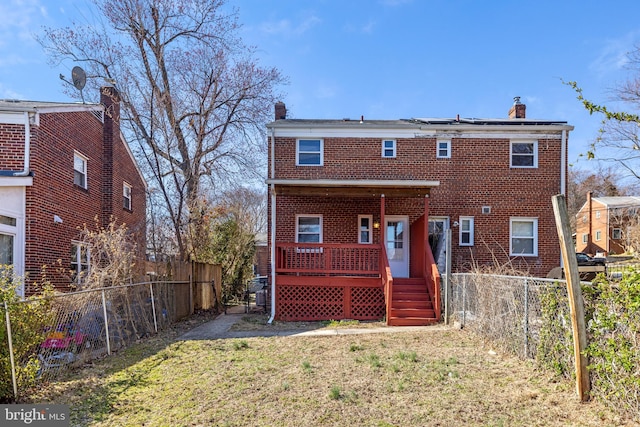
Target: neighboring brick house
{"points": [[353, 199], [602, 224], [62, 165]]}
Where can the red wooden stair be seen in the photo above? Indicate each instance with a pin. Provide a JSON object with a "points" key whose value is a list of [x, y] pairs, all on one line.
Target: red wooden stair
{"points": [[411, 304]]}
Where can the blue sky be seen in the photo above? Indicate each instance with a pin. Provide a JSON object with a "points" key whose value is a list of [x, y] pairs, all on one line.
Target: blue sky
{"points": [[390, 59]]}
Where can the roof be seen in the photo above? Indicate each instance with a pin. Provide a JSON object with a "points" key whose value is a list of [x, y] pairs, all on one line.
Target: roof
{"points": [[354, 187], [419, 123], [618, 201], [17, 105]]}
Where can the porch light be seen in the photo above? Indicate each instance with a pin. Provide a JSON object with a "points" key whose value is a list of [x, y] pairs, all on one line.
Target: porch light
{"points": [[376, 224]]}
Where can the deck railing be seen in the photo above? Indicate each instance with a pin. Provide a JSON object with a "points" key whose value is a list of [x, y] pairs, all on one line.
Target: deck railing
{"points": [[328, 259], [387, 280], [432, 277]]}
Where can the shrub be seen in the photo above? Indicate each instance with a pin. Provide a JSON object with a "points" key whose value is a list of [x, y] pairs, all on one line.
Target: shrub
{"points": [[28, 321]]}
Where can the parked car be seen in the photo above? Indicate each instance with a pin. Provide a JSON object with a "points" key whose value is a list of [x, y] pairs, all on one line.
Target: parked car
{"points": [[584, 259]]}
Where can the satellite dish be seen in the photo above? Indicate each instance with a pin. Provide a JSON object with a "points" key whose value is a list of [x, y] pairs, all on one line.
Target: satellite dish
{"points": [[78, 77]]}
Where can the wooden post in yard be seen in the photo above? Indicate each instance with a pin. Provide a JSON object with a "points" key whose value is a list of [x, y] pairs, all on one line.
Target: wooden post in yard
{"points": [[575, 295]]}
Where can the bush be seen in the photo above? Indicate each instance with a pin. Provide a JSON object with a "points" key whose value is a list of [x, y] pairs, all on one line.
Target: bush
{"points": [[28, 321], [613, 316]]}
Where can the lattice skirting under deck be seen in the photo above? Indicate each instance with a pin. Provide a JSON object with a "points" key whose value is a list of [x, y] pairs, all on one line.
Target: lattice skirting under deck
{"points": [[309, 303]]}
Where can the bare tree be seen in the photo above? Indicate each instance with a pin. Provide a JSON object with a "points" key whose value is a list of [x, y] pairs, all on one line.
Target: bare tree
{"points": [[618, 139], [193, 96]]}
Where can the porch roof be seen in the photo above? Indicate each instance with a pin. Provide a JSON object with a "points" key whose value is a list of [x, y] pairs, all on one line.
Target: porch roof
{"points": [[353, 187]]}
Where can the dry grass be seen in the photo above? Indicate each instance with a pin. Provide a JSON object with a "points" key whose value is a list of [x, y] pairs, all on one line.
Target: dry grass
{"points": [[440, 377]]}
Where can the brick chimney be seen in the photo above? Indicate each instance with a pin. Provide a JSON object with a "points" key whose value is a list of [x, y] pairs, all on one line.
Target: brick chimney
{"points": [[517, 110], [281, 111], [110, 98]]}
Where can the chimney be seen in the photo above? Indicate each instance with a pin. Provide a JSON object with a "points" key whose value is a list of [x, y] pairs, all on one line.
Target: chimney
{"points": [[518, 109], [110, 98], [281, 111]]}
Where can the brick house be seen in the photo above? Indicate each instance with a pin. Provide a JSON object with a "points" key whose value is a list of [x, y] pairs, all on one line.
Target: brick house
{"points": [[62, 165], [602, 224], [358, 209]]}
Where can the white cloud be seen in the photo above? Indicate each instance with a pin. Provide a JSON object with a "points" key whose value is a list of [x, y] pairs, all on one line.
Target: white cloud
{"points": [[612, 57], [286, 28]]}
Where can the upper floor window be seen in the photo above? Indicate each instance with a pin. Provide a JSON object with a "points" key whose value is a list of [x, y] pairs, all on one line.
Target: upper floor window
{"points": [[365, 222], [524, 154], [80, 258], [597, 214], [309, 152], [79, 170], [126, 196], [598, 235], [308, 229], [585, 238], [523, 239], [616, 234], [466, 231], [388, 148], [444, 149]]}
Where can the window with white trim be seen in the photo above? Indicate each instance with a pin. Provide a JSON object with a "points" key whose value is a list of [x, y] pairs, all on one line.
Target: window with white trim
{"points": [[585, 238], [616, 234], [466, 231], [365, 224], [597, 214], [309, 152], [598, 235], [80, 257], [389, 148], [443, 150], [524, 154], [523, 237], [308, 228], [79, 170], [126, 196]]}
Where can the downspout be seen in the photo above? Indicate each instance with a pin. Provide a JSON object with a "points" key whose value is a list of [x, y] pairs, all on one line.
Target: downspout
{"points": [[563, 172], [273, 228], [563, 163], [27, 143]]}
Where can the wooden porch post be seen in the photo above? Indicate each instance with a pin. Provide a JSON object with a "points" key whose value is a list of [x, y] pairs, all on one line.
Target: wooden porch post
{"points": [[426, 219], [381, 237]]}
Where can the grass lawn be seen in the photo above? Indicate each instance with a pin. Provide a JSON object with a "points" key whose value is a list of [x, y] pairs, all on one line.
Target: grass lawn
{"points": [[442, 377]]}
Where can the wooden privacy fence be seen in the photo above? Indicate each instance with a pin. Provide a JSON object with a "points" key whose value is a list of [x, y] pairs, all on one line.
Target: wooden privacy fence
{"points": [[202, 284]]}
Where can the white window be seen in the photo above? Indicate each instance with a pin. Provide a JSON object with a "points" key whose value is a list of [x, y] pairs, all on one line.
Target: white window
{"points": [[365, 223], [443, 149], [466, 231], [616, 234], [309, 152], [523, 234], [126, 196], [524, 154], [597, 214], [598, 235], [79, 170], [308, 229], [80, 258], [585, 238], [388, 148]]}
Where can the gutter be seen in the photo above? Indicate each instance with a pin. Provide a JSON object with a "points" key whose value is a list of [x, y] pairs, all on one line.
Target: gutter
{"points": [[27, 144], [563, 163], [273, 227]]}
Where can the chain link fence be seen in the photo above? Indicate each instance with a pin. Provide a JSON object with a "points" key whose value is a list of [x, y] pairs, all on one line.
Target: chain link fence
{"points": [[86, 325], [504, 309]]}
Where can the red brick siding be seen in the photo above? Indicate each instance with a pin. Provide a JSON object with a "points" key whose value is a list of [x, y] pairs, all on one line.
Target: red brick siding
{"points": [[11, 147], [478, 174], [54, 193]]}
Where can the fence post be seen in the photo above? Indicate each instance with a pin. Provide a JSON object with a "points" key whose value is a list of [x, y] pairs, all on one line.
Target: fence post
{"points": [[526, 318], [464, 299], [13, 362], [106, 322], [153, 307], [447, 284]]}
